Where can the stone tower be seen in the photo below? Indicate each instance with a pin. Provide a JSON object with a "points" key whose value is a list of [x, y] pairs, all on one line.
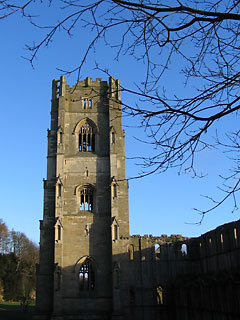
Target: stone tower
{"points": [[85, 201]]}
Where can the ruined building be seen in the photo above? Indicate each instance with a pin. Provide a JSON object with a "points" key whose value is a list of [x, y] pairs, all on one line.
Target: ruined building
{"points": [[90, 267]]}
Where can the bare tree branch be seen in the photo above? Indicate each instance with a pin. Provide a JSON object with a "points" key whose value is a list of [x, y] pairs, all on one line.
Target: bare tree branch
{"points": [[202, 35]]}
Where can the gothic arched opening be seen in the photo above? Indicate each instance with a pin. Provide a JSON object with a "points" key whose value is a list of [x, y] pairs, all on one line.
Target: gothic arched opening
{"points": [[86, 138], [86, 276]]}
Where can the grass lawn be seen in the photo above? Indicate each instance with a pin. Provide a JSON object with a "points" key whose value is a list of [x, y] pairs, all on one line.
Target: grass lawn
{"points": [[13, 311]]}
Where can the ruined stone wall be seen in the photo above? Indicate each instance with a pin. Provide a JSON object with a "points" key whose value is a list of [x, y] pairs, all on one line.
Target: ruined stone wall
{"points": [[203, 282], [136, 274], [178, 278]]}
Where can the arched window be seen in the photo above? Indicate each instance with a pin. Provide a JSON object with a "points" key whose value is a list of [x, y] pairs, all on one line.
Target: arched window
{"points": [[86, 199], [86, 276], [184, 249], [86, 138]]}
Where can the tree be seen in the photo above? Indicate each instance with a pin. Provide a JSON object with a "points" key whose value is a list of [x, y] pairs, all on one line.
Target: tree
{"points": [[202, 36], [9, 276], [27, 254], [4, 238], [18, 258], [23, 248]]}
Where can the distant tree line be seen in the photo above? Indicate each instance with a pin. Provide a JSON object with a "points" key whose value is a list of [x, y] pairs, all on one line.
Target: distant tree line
{"points": [[18, 258]]}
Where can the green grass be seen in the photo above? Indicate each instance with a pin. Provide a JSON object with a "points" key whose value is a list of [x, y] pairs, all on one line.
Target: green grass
{"points": [[14, 311]]}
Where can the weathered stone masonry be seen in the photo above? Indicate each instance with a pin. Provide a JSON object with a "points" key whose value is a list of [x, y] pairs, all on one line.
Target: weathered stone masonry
{"points": [[85, 197], [204, 283], [90, 267]]}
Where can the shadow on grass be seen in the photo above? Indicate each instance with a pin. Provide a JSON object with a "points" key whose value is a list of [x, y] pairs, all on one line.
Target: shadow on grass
{"points": [[13, 311]]}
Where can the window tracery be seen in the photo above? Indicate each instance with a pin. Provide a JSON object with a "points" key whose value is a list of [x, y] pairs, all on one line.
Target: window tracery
{"points": [[86, 199], [86, 276], [86, 138]]}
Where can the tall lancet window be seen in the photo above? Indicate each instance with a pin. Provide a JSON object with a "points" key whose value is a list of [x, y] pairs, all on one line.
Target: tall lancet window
{"points": [[86, 276], [86, 138]]}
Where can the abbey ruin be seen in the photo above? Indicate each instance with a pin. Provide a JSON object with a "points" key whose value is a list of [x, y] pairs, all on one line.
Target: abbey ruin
{"points": [[90, 267]]}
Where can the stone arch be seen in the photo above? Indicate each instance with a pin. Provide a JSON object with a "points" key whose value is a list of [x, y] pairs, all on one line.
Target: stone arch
{"points": [[81, 260], [81, 122], [79, 187]]}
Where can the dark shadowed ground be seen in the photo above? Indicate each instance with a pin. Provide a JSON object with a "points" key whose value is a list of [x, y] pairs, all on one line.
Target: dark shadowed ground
{"points": [[13, 311]]}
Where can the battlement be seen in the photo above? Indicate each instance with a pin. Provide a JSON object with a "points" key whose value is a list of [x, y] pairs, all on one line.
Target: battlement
{"points": [[60, 87]]}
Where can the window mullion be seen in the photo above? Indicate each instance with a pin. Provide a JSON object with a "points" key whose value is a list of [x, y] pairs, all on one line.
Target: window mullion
{"points": [[82, 137], [90, 140]]}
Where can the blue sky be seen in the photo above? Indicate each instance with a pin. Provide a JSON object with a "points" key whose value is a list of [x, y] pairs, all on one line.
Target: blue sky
{"points": [[158, 204]]}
